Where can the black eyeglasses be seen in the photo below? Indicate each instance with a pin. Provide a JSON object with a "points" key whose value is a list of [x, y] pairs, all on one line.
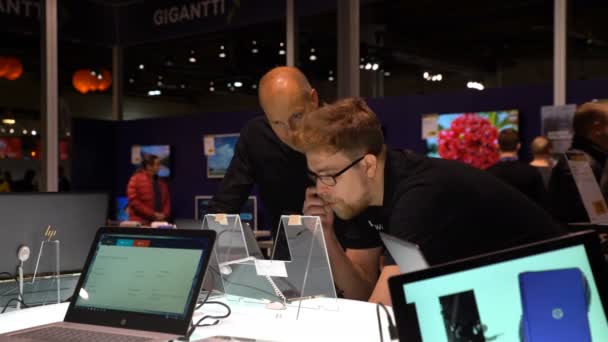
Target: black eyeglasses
{"points": [[331, 179]]}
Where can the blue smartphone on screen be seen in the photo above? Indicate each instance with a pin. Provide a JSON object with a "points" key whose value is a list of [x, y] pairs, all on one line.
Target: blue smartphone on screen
{"points": [[554, 306]]}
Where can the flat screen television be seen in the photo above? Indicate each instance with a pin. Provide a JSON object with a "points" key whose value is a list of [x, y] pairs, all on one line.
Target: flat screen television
{"points": [[470, 137], [249, 212], [163, 152], [121, 208], [220, 156]]}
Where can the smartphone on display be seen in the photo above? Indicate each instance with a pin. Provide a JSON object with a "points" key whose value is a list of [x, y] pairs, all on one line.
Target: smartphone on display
{"points": [[461, 317], [554, 306]]}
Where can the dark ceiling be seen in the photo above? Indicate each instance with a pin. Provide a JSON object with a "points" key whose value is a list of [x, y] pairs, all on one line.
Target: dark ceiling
{"points": [[464, 38]]}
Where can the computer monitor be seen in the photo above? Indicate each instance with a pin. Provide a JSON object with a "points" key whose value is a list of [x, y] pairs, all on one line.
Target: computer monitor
{"points": [[555, 290], [249, 212], [25, 217]]}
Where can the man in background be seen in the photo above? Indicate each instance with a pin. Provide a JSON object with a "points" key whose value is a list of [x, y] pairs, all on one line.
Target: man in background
{"points": [[264, 155], [512, 171], [148, 195], [590, 127], [542, 151]]}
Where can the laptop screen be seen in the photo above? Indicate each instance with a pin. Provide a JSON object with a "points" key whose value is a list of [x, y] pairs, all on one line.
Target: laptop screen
{"points": [[143, 274], [550, 296]]}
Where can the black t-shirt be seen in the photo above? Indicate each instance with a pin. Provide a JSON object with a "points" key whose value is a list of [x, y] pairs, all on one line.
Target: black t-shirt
{"points": [[522, 177], [262, 159], [451, 210], [279, 172]]}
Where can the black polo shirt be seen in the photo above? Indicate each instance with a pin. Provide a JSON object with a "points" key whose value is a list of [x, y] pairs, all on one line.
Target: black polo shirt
{"points": [[523, 177], [451, 210]]}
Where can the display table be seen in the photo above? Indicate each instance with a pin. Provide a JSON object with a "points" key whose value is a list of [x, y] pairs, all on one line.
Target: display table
{"points": [[355, 321]]}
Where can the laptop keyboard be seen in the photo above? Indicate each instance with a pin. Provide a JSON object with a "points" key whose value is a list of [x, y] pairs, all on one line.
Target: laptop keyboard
{"points": [[53, 334]]}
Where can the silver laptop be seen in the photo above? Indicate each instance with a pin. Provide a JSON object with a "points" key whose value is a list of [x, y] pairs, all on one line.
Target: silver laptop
{"points": [[407, 255], [137, 285]]}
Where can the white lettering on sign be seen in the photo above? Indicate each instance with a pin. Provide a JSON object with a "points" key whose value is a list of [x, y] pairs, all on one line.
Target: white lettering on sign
{"points": [[20, 8], [188, 12]]}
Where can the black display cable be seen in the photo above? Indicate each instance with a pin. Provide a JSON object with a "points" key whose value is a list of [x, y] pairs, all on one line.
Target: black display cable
{"points": [[392, 330]]}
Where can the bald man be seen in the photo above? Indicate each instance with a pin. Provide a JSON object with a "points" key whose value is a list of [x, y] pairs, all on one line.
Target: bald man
{"points": [[263, 154], [590, 127]]}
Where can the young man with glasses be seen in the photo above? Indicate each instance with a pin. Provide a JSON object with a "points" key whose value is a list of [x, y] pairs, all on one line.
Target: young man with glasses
{"points": [[450, 210]]}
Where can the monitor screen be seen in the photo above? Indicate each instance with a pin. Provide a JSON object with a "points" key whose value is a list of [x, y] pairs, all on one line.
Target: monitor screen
{"points": [[121, 276], [551, 296], [163, 152], [121, 208], [220, 155], [248, 213], [470, 137]]}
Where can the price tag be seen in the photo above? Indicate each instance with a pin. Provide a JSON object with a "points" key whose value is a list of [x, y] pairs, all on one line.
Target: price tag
{"points": [[270, 268], [294, 220], [221, 219]]}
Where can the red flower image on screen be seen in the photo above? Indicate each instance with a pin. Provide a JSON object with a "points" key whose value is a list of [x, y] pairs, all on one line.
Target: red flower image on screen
{"points": [[471, 139]]}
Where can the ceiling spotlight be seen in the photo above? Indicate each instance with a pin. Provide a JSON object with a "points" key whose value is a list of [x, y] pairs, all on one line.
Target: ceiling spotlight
{"points": [[93, 73], [362, 59], [331, 72], [229, 85], [330, 78], [254, 86], [232, 89], [475, 85], [154, 93], [426, 75], [238, 84], [67, 134], [281, 52], [368, 66], [211, 83], [375, 66], [33, 132], [11, 131], [141, 67], [254, 50], [313, 58], [439, 77], [24, 131], [159, 83], [192, 59], [169, 61], [387, 74], [183, 86], [360, 66], [212, 89], [281, 44], [9, 121], [222, 53], [2, 130], [131, 80], [160, 77], [100, 77]]}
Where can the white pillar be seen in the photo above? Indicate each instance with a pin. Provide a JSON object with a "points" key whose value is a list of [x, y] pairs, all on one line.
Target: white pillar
{"points": [[117, 83], [348, 48], [291, 34], [559, 53], [49, 107]]}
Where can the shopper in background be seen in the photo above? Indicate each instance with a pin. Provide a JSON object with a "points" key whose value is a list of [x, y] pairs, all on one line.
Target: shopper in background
{"points": [[148, 195], [542, 151], [27, 184], [590, 127], [516, 173], [450, 210]]}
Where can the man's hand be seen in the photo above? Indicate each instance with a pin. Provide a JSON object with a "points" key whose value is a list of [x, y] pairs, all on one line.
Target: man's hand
{"points": [[315, 206], [159, 217]]}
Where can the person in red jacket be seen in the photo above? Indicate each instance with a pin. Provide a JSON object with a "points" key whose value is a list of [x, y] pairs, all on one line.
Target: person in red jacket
{"points": [[148, 194]]}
